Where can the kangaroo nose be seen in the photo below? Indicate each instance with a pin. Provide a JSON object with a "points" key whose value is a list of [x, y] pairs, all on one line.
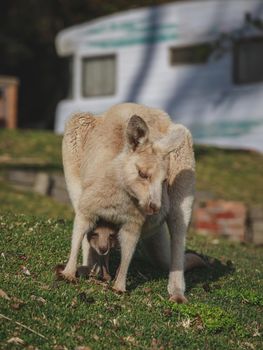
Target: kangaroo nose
{"points": [[154, 208], [103, 250]]}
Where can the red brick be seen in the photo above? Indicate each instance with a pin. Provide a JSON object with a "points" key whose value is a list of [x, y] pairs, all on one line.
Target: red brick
{"points": [[210, 226], [225, 215], [222, 218]]}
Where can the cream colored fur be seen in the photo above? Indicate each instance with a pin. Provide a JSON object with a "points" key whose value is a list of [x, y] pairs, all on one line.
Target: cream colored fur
{"points": [[135, 168]]}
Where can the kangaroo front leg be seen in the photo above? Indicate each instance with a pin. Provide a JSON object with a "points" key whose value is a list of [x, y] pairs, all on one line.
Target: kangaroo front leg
{"points": [[85, 251], [181, 200], [128, 240], [81, 225]]}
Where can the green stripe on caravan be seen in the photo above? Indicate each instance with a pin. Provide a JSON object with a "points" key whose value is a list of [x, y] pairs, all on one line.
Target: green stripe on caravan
{"points": [[129, 27], [121, 42], [224, 128]]}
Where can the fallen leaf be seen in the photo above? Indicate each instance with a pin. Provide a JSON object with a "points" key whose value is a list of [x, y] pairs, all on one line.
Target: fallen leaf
{"points": [[17, 303], [4, 295], [25, 271], [167, 312], [249, 345], [82, 348], [186, 323], [115, 323], [38, 299], [22, 257], [80, 337], [16, 340], [15, 306], [74, 302], [129, 339]]}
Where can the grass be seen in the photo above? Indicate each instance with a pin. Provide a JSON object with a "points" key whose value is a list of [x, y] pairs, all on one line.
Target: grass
{"points": [[28, 203], [29, 148], [225, 309], [230, 174]]}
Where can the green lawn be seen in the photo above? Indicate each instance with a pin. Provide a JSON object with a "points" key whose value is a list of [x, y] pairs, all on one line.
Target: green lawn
{"points": [[224, 312], [30, 148], [225, 309], [234, 175]]}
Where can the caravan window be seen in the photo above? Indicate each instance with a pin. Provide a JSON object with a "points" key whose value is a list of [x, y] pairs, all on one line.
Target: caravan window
{"points": [[99, 76], [248, 58], [194, 54]]}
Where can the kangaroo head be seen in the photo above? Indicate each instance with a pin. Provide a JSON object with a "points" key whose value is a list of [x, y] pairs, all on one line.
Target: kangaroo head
{"points": [[145, 163], [103, 238]]}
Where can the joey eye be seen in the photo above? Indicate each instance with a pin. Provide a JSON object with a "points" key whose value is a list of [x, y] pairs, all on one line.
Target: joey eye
{"points": [[143, 175], [92, 235]]}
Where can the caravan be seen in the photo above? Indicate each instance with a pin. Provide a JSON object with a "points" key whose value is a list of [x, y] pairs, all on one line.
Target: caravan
{"points": [[200, 61]]}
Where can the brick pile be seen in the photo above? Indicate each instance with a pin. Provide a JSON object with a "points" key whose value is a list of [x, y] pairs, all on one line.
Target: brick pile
{"points": [[221, 218]]}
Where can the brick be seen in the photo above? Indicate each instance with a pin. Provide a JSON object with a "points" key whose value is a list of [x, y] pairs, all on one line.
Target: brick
{"points": [[219, 217], [202, 214], [207, 225]]}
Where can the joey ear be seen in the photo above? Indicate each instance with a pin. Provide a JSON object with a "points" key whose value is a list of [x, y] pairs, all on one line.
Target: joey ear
{"points": [[137, 132], [170, 142]]}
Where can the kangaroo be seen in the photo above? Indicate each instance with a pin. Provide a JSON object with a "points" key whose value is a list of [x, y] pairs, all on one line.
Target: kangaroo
{"points": [[101, 241], [134, 167]]}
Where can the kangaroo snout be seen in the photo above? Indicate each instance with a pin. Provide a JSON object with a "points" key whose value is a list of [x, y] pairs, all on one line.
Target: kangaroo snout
{"points": [[152, 208], [103, 250]]}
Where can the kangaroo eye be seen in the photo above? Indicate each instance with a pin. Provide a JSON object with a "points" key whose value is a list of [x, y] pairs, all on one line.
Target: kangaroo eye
{"points": [[143, 175], [93, 235]]}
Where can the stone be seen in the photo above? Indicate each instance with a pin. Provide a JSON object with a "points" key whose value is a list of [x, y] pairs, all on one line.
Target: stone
{"points": [[42, 183]]}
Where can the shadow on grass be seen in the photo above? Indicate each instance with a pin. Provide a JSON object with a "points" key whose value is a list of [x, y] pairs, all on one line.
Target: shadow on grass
{"points": [[142, 271]]}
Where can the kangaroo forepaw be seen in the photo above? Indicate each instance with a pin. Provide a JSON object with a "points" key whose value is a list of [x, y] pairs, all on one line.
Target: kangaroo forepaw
{"points": [[68, 275], [118, 288]]}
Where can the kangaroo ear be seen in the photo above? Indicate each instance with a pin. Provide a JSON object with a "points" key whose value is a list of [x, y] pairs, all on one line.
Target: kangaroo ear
{"points": [[174, 138], [137, 132]]}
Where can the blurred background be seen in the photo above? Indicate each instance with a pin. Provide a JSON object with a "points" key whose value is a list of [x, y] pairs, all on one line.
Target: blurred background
{"points": [[201, 61], [27, 45]]}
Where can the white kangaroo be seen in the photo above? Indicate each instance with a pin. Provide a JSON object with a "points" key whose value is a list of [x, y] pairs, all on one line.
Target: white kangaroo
{"points": [[134, 167]]}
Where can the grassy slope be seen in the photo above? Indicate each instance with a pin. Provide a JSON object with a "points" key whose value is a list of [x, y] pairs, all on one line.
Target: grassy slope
{"points": [[29, 203], [38, 148], [235, 175], [230, 174], [225, 309]]}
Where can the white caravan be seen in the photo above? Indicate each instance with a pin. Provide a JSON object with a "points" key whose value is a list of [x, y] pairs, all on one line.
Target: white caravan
{"points": [[201, 61]]}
